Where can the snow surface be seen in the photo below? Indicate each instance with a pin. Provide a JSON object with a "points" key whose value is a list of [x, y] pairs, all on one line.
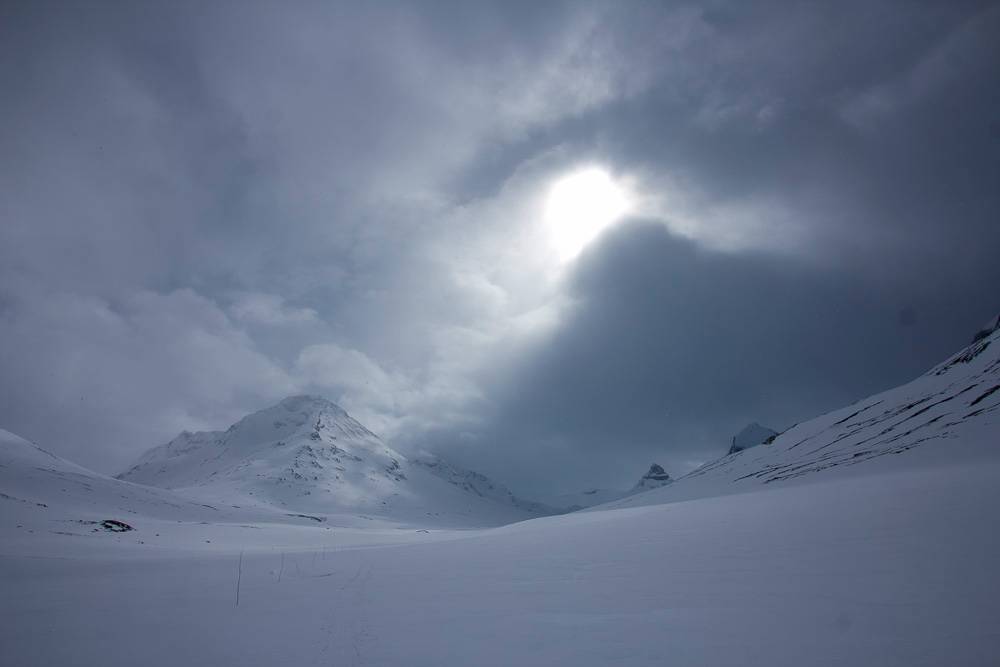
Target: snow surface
{"points": [[896, 569], [863, 537]]}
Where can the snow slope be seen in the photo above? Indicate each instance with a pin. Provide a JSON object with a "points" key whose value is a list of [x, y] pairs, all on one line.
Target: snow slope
{"points": [[33, 479], [307, 455], [950, 413]]}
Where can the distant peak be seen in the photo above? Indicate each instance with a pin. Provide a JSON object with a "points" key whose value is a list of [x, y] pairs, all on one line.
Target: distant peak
{"points": [[753, 434], [654, 478], [656, 472], [308, 403], [753, 427], [299, 400], [990, 327]]}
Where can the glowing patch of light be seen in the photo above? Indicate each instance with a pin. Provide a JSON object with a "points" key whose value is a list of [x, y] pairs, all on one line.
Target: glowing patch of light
{"points": [[579, 207]]}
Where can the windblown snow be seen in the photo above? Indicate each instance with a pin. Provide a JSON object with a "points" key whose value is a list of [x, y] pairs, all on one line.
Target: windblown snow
{"points": [[865, 536]]}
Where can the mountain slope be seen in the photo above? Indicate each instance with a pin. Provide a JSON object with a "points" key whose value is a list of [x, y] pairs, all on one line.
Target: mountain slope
{"points": [[32, 478], [954, 406], [48, 504], [308, 455]]}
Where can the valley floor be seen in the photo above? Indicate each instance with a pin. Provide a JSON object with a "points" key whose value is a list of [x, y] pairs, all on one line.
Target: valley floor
{"points": [[893, 568]]}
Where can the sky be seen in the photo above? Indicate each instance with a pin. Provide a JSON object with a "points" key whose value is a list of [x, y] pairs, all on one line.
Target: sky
{"points": [[205, 207]]}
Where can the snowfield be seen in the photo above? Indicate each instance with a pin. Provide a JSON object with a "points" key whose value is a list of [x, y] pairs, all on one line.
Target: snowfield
{"points": [[894, 569], [866, 536]]}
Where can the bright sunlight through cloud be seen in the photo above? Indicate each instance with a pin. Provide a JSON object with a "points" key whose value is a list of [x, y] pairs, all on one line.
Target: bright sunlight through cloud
{"points": [[579, 206]]}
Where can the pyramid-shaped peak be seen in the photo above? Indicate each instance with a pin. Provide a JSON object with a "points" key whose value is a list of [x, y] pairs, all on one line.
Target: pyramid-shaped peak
{"points": [[656, 472], [654, 478], [303, 412]]}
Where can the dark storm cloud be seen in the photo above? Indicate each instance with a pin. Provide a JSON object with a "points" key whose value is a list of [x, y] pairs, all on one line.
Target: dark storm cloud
{"points": [[207, 206], [870, 131], [670, 349]]}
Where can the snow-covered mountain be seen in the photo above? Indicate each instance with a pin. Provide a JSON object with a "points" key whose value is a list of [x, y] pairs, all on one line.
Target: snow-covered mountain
{"points": [[654, 478], [753, 434], [950, 412], [308, 455]]}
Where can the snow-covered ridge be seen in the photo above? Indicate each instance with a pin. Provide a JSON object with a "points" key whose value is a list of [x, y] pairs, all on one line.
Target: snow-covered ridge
{"points": [[957, 401], [38, 487], [19, 451]]}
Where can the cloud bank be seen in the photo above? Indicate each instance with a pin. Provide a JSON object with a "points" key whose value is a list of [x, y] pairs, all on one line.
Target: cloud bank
{"points": [[204, 209]]}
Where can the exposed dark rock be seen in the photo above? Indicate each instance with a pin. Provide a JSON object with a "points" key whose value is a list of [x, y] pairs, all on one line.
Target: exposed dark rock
{"points": [[116, 526], [657, 473], [654, 478]]}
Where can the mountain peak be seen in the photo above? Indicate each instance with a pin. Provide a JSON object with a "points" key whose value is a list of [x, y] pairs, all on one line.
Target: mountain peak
{"points": [[654, 478], [990, 327], [306, 453], [307, 401], [656, 472], [753, 434]]}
